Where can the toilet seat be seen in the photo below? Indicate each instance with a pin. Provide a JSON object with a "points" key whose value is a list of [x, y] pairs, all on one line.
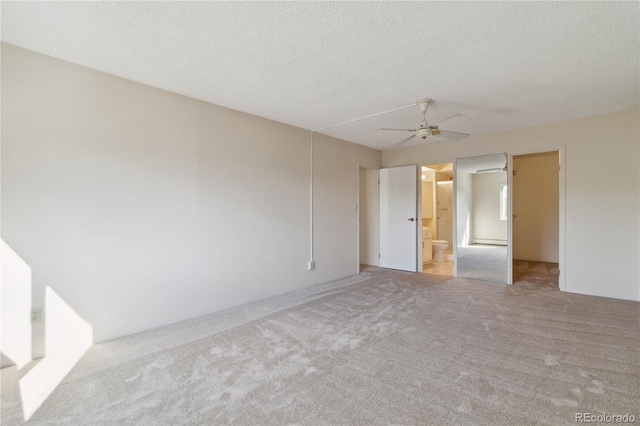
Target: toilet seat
{"points": [[440, 242]]}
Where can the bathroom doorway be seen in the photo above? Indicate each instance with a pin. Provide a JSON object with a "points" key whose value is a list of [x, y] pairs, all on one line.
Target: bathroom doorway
{"points": [[536, 216], [437, 219]]}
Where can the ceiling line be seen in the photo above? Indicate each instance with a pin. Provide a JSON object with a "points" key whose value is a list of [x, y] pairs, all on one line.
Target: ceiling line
{"points": [[363, 118]]}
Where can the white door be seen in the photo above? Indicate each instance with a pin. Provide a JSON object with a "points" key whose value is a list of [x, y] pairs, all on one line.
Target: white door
{"points": [[399, 218]]}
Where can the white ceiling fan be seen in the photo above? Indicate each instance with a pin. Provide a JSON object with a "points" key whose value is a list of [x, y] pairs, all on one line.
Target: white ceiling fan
{"points": [[425, 130]]}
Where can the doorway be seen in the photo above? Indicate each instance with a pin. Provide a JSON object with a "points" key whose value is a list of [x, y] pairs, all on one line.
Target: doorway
{"points": [[482, 222], [536, 218], [437, 218], [368, 223]]}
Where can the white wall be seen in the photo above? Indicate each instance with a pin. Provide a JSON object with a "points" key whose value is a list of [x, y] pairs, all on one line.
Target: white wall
{"points": [[140, 207], [536, 206], [368, 211], [485, 215], [463, 205], [597, 209]]}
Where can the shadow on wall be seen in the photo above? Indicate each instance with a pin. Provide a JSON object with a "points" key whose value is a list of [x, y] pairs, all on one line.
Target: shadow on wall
{"points": [[67, 335]]}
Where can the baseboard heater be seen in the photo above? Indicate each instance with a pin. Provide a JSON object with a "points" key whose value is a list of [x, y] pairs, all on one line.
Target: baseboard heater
{"points": [[488, 241]]}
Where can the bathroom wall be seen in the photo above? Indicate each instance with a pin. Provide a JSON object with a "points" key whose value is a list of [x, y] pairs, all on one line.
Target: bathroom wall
{"points": [[444, 191], [428, 191], [602, 209], [141, 207], [536, 206], [487, 226], [444, 228]]}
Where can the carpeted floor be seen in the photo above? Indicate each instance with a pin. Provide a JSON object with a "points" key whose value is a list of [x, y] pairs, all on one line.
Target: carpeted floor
{"points": [[534, 272], [483, 262], [384, 347]]}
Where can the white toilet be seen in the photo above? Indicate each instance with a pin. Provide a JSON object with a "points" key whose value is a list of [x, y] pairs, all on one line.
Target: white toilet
{"points": [[439, 246]]}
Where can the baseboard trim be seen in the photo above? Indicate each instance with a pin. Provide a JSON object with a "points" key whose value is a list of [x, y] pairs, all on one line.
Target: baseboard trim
{"points": [[489, 241]]}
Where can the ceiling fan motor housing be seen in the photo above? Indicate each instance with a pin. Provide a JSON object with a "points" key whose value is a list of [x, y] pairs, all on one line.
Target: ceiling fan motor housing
{"points": [[423, 133]]}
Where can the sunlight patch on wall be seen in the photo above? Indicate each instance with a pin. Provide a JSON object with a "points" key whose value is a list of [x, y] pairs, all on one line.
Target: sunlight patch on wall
{"points": [[15, 295], [68, 337], [466, 237]]}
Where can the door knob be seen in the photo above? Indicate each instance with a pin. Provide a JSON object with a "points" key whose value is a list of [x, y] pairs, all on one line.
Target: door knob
{"points": [[411, 219]]}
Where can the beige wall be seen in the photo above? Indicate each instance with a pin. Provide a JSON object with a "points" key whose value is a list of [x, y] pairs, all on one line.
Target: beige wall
{"points": [[429, 214], [141, 207], [536, 207], [597, 209]]}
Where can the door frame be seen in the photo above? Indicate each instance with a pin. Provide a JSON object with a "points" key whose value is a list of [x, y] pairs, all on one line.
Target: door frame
{"points": [[357, 210], [561, 149], [454, 217], [419, 265]]}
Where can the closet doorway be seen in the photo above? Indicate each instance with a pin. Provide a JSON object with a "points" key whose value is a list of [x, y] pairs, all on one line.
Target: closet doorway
{"points": [[536, 218]]}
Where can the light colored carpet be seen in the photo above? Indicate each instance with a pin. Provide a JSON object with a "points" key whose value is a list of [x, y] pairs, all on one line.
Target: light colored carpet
{"points": [[383, 348], [532, 271], [483, 262]]}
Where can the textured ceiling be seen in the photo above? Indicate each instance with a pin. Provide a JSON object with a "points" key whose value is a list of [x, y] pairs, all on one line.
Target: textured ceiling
{"points": [[315, 64]]}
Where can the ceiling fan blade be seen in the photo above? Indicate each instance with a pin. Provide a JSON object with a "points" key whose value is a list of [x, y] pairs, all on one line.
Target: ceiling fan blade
{"points": [[401, 130], [403, 141], [452, 135], [454, 116]]}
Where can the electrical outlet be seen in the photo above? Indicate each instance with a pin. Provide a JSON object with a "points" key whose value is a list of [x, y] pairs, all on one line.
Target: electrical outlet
{"points": [[36, 315], [311, 265]]}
